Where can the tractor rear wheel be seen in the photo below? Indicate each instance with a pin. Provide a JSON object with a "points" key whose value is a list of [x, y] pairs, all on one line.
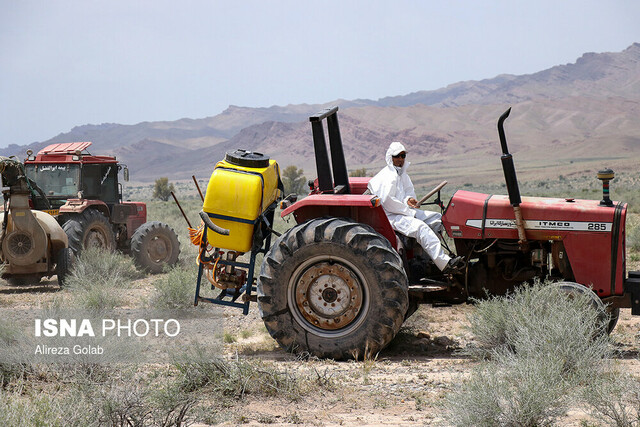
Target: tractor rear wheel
{"points": [[333, 288], [155, 245], [89, 229]]}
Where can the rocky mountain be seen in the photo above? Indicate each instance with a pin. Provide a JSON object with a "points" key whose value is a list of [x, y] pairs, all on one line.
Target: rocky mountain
{"points": [[564, 115]]}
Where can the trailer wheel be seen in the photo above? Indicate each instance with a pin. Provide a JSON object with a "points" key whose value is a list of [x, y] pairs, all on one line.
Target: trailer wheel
{"points": [[155, 245], [63, 265], [610, 316], [89, 229], [333, 288]]}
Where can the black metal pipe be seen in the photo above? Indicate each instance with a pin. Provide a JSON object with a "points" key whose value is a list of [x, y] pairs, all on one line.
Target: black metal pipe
{"points": [[507, 164], [503, 138], [512, 182], [181, 210], [195, 181], [511, 179]]}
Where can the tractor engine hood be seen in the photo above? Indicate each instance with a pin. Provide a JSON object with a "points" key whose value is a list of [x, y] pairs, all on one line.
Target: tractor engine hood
{"points": [[481, 216], [586, 229]]}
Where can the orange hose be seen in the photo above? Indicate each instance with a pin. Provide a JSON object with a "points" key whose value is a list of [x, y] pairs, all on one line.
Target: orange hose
{"points": [[196, 234], [210, 274]]}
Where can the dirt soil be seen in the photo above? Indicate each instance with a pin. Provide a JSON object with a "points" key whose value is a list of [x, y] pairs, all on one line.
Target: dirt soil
{"points": [[405, 385], [407, 382]]}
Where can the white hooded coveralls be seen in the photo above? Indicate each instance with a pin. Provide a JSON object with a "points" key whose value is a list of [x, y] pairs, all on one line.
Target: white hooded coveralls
{"points": [[394, 187]]}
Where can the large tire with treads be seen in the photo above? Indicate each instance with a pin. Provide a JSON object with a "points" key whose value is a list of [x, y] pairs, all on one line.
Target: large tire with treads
{"points": [[89, 229], [333, 288], [64, 258], [155, 245], [608, 315]]}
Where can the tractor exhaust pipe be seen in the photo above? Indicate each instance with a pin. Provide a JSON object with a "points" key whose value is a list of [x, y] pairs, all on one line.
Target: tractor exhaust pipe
{"points": [[511, 179]]}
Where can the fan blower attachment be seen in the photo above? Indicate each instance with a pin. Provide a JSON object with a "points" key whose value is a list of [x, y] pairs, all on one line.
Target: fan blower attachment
{"points": [[19, 248], [26, 241]]}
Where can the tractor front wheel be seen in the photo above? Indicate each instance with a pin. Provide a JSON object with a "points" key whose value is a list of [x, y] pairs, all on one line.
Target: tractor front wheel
{"points": [[63, 265], [606, 314], [614, 315], [333, 288], [155, 245], [90, 229]]}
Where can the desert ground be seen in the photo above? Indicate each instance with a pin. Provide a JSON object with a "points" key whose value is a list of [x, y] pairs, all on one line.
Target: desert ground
{"points": [[405, 384]]}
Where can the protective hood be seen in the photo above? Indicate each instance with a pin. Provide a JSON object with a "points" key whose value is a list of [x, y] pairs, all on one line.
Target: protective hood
{"points": [[394, 149], [393, 186]]}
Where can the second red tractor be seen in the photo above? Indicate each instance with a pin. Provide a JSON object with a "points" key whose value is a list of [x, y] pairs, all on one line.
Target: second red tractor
{"points": [[83, 193]]}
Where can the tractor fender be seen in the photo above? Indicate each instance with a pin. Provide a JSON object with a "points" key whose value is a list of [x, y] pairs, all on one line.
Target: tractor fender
{"points": [[362, 208], [79, 205], [137, 216]]}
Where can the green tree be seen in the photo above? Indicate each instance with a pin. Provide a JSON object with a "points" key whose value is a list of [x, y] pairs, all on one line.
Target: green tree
{"points": [[162, 189], [293, 180], [359, 172]]}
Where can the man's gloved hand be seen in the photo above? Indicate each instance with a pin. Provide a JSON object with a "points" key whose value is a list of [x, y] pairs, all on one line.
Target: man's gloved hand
{"points": [[413, 203]]}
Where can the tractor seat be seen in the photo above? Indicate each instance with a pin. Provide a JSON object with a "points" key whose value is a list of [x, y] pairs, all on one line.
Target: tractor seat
{"points": [[408, 243]]}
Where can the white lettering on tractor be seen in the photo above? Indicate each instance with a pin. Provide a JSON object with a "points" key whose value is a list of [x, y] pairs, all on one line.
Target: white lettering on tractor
{"points": [[542, 225]]}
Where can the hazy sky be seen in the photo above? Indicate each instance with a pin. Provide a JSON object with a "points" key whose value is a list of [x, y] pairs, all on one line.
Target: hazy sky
{"points": [[68, 63]]}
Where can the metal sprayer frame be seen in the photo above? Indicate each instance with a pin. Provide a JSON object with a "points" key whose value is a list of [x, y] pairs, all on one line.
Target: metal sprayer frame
{"points": [[246, 290]]}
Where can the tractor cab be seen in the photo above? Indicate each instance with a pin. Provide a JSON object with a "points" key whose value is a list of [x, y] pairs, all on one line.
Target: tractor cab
{"points": [[68, 171]]}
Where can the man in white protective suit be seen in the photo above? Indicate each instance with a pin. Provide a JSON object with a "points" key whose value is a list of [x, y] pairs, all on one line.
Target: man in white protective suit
{"points": [[397, 195]]}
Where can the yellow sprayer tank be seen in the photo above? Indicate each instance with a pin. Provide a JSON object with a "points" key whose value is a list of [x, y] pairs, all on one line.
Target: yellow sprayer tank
{"points": [[241, 187]]}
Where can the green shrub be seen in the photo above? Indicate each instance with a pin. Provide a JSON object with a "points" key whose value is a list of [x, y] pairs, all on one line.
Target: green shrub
{"points": [[511, 391], [162, 189], [8, 333], [540, 346], [97, 267], [541, 319], [12, 372], [237, 378], [96, 299], [614, 398], [41, 409], [633, 236], [96, 278], [176, 289]]}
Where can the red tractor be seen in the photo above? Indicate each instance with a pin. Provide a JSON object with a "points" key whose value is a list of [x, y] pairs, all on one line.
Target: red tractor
{"points": [[83, 193], [341, 282]]}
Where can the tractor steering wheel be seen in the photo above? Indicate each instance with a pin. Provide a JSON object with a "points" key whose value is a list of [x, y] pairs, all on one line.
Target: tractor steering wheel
{"points": [[432, 192]]}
